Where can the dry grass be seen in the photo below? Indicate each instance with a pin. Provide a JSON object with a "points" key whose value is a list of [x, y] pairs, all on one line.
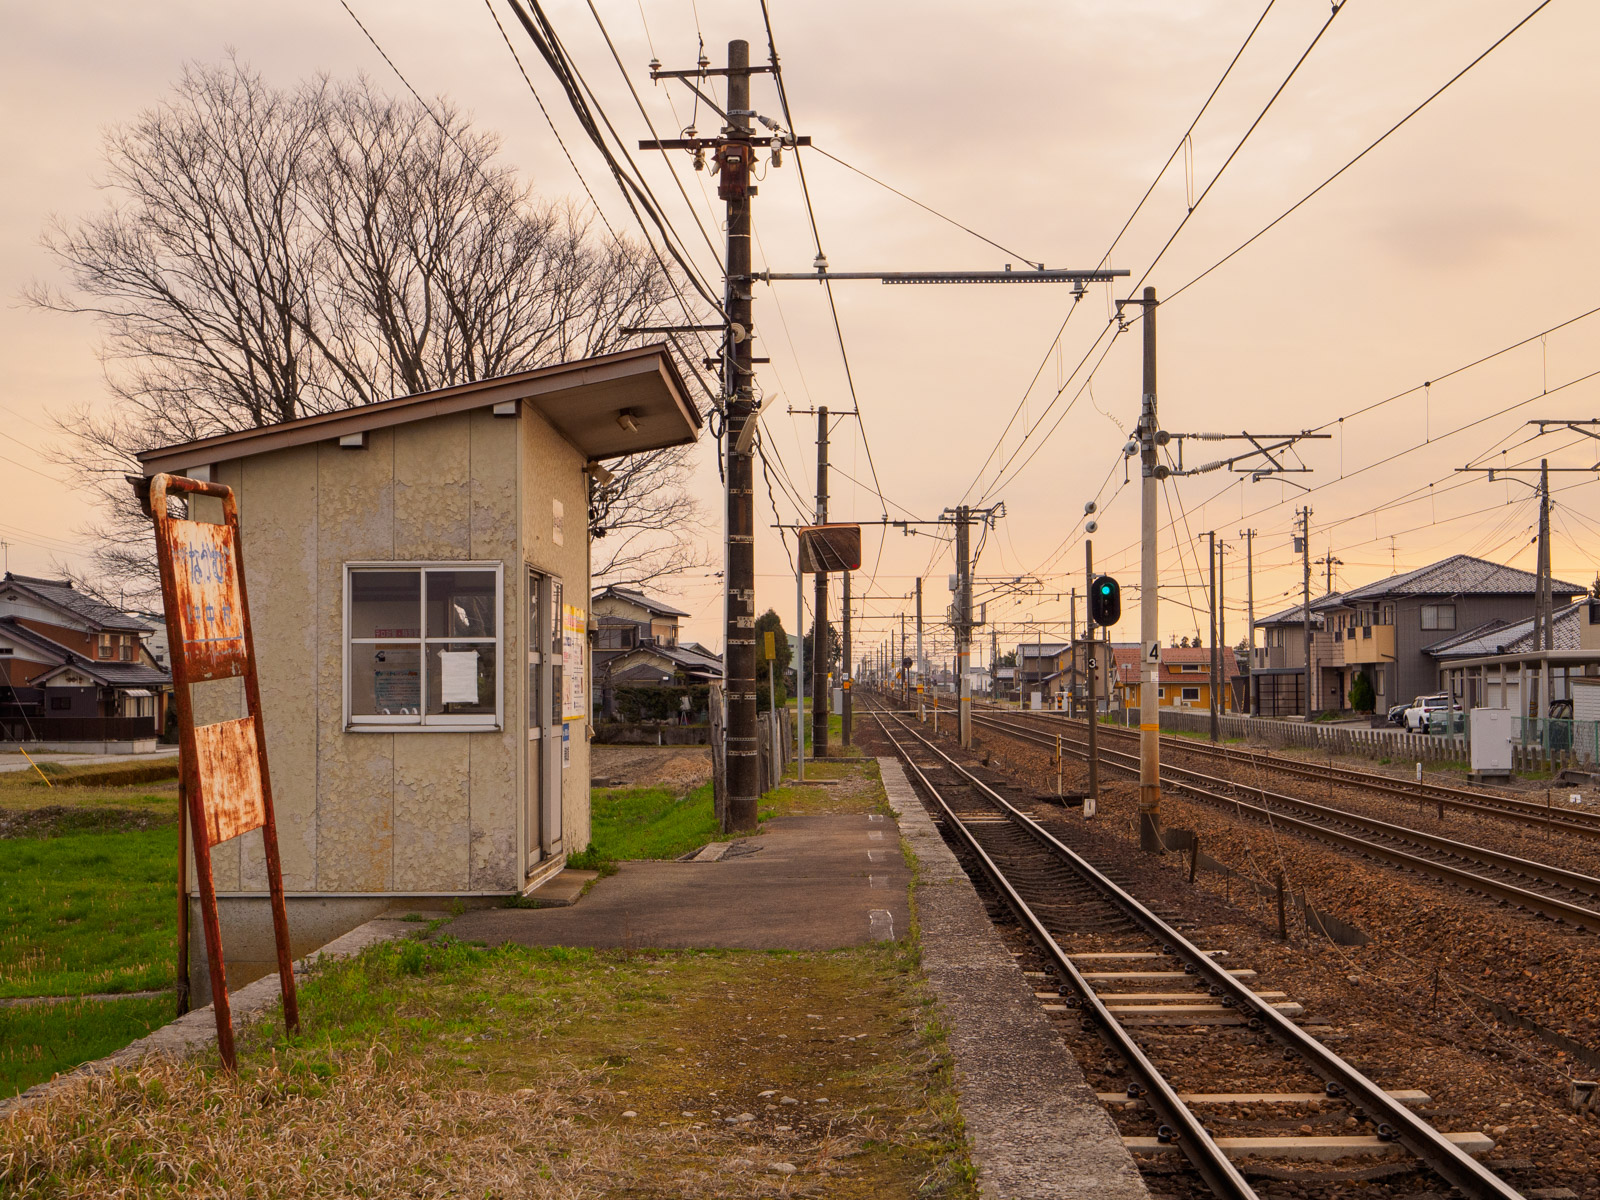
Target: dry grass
{"points": [[449, 1070], [354, 1123]]}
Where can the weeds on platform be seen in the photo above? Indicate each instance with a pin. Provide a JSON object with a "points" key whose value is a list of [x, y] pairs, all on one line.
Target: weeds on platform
{"points": [[446, 1068]]}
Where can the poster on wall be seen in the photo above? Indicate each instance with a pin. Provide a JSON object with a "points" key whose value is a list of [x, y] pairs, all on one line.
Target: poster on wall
{"points": [[574, 670]]}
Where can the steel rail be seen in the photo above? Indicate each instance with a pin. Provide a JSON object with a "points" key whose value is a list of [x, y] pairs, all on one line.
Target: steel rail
{"points": [[1196, 1143], [1183, 780], [1510, 808], [1452, 1163]]}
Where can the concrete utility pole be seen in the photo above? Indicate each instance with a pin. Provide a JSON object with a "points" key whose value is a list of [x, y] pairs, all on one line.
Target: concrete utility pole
{"points": [[963, 630], [1223, 652], [922, 667], [1250, 616], [1072, 645], [1544, 627], [849, 680], [905, 672], [1150, 437], [819, 608], [1305, 608], [1216, 659], [739, 639]]}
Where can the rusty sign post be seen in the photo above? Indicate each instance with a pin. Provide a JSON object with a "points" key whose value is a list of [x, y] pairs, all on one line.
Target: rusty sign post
{"points": [[224, 765]]}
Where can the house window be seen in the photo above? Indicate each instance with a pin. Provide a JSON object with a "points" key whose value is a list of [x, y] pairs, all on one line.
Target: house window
{"points": [[1388, 615], [1161, 693], [60, 703], [1189, 667], [1191, 693], [423, 645], [1438, 616], [103, 649], [125, 651]]}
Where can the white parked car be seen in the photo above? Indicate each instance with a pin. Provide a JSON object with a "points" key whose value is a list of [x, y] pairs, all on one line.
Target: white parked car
{"points": [[1421, 713]]}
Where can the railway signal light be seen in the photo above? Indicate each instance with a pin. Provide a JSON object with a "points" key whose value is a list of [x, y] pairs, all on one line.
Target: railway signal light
{"points": [[1105, 601]]}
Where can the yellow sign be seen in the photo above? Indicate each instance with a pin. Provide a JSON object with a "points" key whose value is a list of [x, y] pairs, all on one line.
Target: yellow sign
{"points": [[919, 689], [771, 645]]}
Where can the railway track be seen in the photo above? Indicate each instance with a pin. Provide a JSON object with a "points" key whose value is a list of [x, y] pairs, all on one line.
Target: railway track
{"points": [[1488, 804], [1541, 888], [1173, 1012]]}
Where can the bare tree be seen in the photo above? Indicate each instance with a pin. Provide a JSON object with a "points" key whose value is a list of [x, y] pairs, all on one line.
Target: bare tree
{"points": [[271, 253]]}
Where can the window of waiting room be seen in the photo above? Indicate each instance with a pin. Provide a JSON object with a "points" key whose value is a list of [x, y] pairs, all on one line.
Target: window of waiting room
{"points": [[424, 646]]}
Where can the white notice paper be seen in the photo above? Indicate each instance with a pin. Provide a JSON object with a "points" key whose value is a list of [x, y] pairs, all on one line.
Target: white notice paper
{"points": [[458, 676]]}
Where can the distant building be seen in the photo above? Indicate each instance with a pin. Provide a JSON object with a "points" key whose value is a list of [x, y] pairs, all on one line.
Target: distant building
{"points": [[1389, 631], [637, 646], [74, 671], [1183, 679]]}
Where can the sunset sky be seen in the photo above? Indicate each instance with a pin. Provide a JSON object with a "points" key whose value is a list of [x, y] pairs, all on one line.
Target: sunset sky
{"points": [[1039, 124]]}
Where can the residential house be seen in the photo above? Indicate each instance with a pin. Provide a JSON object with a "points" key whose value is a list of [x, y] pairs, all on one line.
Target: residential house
{"points": [[1183, 679], [1387, 630], [1500, 665], [1037, 662], [74, 671], [625, 618]]}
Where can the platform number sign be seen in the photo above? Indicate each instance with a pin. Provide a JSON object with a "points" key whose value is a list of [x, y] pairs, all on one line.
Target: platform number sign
{"points": [[222, 765]]}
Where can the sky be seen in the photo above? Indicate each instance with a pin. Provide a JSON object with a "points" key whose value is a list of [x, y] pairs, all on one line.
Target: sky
{"points": [[1039, 124]]}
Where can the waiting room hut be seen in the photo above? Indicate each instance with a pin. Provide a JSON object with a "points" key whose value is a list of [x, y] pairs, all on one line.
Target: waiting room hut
{"points": [[418, 574]]}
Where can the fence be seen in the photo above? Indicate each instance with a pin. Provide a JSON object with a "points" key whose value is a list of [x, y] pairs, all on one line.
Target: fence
{"points": [[774, 738], [1550, 744], [76, 729]]}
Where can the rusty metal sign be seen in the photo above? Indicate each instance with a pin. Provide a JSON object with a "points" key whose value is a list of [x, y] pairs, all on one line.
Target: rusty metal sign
{"points": [[223, 766], [206, 590]]}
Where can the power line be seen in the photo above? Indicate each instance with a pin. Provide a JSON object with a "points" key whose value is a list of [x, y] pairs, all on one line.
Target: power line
{"points": [[1374, 145], [927, 208], [1106, 257]]}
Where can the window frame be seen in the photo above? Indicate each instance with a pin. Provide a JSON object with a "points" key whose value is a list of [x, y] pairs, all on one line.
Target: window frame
{"points": [[424, 722], [1184, 695], [1422, 617], [105, 649]]}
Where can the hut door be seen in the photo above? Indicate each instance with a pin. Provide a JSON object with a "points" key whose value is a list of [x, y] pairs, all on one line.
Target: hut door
{"points": [[542, 800]]}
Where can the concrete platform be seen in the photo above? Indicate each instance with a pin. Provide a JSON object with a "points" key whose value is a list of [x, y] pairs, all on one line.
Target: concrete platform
{"points": [[815, 883], [1038, 1131]]}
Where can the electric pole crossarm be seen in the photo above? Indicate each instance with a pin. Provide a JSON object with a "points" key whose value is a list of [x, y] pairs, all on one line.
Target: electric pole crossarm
{"points": [[1034, 276]]}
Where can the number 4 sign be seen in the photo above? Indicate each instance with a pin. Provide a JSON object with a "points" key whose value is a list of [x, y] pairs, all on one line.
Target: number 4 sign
{"points": [[1152, 653]]}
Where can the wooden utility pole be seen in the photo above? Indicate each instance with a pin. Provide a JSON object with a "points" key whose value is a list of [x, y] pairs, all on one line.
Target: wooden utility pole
{"points": [[1216, 660], [1250, 617], [1151, 472], [1305, 612]]}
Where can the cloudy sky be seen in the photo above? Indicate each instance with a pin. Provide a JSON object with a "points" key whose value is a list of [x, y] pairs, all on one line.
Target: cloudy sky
{"points": [[1039, 124]]}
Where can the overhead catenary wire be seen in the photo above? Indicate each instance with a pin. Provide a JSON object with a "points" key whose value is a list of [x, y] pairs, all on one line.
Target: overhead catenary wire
{"points": [[1444, 87], [1111, 249]]}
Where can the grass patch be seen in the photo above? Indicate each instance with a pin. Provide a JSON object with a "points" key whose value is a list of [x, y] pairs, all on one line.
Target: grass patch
{"points": [[38, 1041], [859, 789], [88, 912], [628, 823], [447, 1069]]}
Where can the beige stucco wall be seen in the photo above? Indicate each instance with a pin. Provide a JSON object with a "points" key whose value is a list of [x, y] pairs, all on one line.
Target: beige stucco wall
{"points": [[552, 469], [402, 812]]}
